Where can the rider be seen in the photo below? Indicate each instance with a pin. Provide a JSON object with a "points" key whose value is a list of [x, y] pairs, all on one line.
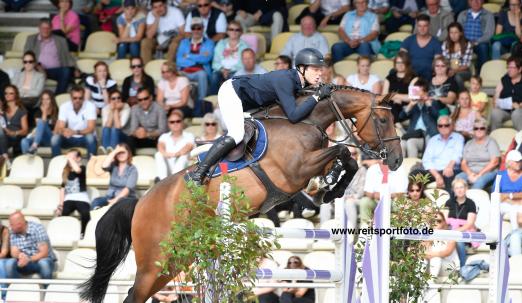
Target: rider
{"points": [[248, 92]]}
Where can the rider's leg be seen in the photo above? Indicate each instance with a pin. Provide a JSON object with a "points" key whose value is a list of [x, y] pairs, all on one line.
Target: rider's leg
{"points": [[232, 112]]}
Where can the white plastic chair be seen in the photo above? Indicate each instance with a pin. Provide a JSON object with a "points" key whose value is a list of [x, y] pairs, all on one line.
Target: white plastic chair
{"points": [[69, 293], [408, 163], [23, 296], [93, 192], [296, 244], [89, 237], [26, 170], [127, 269], [79, 264], [463, 295], [263, 222], [481, 199], [326, 244], [503, 136], [515, 275], [54, 171], [64, 231], [43, 201], [11, 199], [281, 257], [146, 169], [320, 260]]}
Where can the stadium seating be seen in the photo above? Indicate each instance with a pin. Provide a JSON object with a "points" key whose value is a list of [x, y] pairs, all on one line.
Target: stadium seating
{"points": [[321, 260], [281, 257], [64, 232], [296, 244], [42, 202], [153, 69], [332, 38], [62, 293], [326, 244], [463, 295], [482, 202], [120, 69], [278, 44], [491, 72], [62, 98], [408, 163], [268, 65], [96, 176], [345, 67], [89, 238], [99, 45], [21, 292], [503, 136], [127, 269], [11, 199], [78, 264], [11, 66], [381, 68], [54, 171], [26, 171], [492, 7], [146, 170], [86, 65], [263, 222], [17, 50]]}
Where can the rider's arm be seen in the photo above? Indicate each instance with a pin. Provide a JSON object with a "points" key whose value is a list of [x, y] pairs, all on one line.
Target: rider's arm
{"points": [[295, 112]]}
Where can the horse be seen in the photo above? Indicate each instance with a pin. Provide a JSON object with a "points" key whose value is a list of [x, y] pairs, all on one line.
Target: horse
{"points": [[296, 153]]}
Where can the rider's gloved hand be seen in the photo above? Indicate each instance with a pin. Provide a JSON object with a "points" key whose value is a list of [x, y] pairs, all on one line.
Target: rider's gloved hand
{"points": [[323, 92]]}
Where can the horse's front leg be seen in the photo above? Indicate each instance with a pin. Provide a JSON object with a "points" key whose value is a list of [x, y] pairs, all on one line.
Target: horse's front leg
{"points": [[315, 162]]}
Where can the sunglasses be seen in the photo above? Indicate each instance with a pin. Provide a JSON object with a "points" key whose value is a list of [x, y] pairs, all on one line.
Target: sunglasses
{"points": [[203, 5], [143, 99], [28, 61], [196, 28], [234, 30], [115, 98], [479, 128], [210, 124], [174, 121], [443, 125], [136, 66]]}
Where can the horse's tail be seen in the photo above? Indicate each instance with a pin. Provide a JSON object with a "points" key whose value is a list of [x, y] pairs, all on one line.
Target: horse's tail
{"points": [[113, 242]]}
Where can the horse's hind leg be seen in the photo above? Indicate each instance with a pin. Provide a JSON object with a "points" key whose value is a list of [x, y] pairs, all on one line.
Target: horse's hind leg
{"points": [[145, 286]]}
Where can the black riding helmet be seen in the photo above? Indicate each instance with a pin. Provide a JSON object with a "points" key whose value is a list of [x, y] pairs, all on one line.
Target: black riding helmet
{"points": [[307, 57]]}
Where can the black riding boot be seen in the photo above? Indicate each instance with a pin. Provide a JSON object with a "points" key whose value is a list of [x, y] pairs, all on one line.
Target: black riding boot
{"points": [[215, 153]]}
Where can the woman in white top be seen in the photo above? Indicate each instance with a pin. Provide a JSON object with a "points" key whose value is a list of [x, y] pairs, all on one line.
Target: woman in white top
{"points": [[173, 147], [441, 255], [29, 81], [173, 90], [115, 116], [363, 79], [210, 129], [99, 85]]}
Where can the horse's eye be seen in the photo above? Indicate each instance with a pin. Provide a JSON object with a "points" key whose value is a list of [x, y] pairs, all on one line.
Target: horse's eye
{"points": [[383, 120]]}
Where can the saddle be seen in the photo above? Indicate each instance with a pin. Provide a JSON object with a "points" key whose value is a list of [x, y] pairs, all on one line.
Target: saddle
{"points": [[248, 143]]}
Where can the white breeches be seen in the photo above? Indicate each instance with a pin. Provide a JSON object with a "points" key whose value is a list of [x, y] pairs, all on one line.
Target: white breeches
{"points": [[231, 111], [166, 167]]}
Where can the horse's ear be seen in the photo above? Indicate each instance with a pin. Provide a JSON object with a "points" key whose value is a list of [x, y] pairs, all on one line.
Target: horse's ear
{"points": [[386, 98]]}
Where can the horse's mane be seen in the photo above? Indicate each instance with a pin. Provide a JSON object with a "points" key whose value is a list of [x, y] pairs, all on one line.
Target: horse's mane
{"points": [[335, 87]]}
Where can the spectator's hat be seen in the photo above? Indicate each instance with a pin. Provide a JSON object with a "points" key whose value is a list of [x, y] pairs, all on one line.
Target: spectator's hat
{"points": [[196, 21], [128, 3], [514, 155]]}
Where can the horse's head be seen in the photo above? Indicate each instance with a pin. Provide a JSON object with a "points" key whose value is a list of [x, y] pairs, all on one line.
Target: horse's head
{"points": [[374, 124]]}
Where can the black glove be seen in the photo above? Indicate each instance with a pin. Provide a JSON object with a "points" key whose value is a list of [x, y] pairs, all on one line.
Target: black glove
{"points": [[323, 92]]}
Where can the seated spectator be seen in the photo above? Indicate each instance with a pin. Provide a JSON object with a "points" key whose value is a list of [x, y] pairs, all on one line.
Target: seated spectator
{"points": [[73, 194], [403, 12], [462, 214], [325, 12], [268, 13], [76, 124], [422, 113], [308, 37], [479, 26], [330, 76], [439, 19], [398, 184], [398, 81], [147, 122], [15, 5], [363, 79], [248, 58], [115, 117], [174, 90], [4, 80], [99, 85], [165, 28], [194, 57], [266, 294], [443, 88], [67, 24], [124, 177], [359, 32], [14, 124], [508, 30], [213, 20], [511, 188], [131, 30], [415, 191], [30, 82], [479, 99], [173, 147], [87, 19], [45, 116], [106, 12], [508, 96], [443, 154], [422, 48], [514, 242], [441, 254], [137, 80], [480, 158], [464, 115], [458, 51], [227, 57], [379, 7], [4, 255], [31, 251], [297, 295], [210, 129], [283, 62], [52, 54]]}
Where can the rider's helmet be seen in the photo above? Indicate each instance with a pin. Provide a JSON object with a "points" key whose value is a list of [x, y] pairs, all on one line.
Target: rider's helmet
{"points": [[309, 56]]}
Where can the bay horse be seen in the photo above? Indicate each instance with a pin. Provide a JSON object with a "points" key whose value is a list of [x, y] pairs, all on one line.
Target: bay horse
{"points": [[295, 154]]}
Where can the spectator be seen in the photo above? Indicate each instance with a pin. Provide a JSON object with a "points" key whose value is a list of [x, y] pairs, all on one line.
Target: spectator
{"points": [[308, 37], [268, 13], [124, 176], [67, 24], [398, 81], [147, 123], [422, 113], [422, 48], [330, 76], [508, 30], [137, 80], [106, 12], [379, 7], [131, 30], [508, 96], [76, 124], [73, 194], [99, 85], [115, 117], [439, 19], [166, 24], [29, 81], [441, 254], [265, 294], [464, 115], [227, 57], [46, 115], [479, 99], [14, 124], [283, 62], [363, 79], [4, 80], [458, 51], [511, 188], [15, 5], [398, 183], [443, 88], [213, 20], [31, 250], [479, 26], [480, 158], [297, 295], [415, 191], [443, 153], [516, 143], [403, 12], [53, 55], [173, 147], [194, 57], [325, 12], [4, 255], [359, 31], [248, 58], [462, 214], [88, 20], [210, 129], [173, 90]]}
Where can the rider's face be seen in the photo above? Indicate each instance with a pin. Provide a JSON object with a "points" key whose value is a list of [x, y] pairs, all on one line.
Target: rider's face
{"points": [[313, 74]]}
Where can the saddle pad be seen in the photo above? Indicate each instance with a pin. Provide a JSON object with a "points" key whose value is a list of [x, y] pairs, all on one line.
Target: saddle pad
{"points": [[259, 151]]}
